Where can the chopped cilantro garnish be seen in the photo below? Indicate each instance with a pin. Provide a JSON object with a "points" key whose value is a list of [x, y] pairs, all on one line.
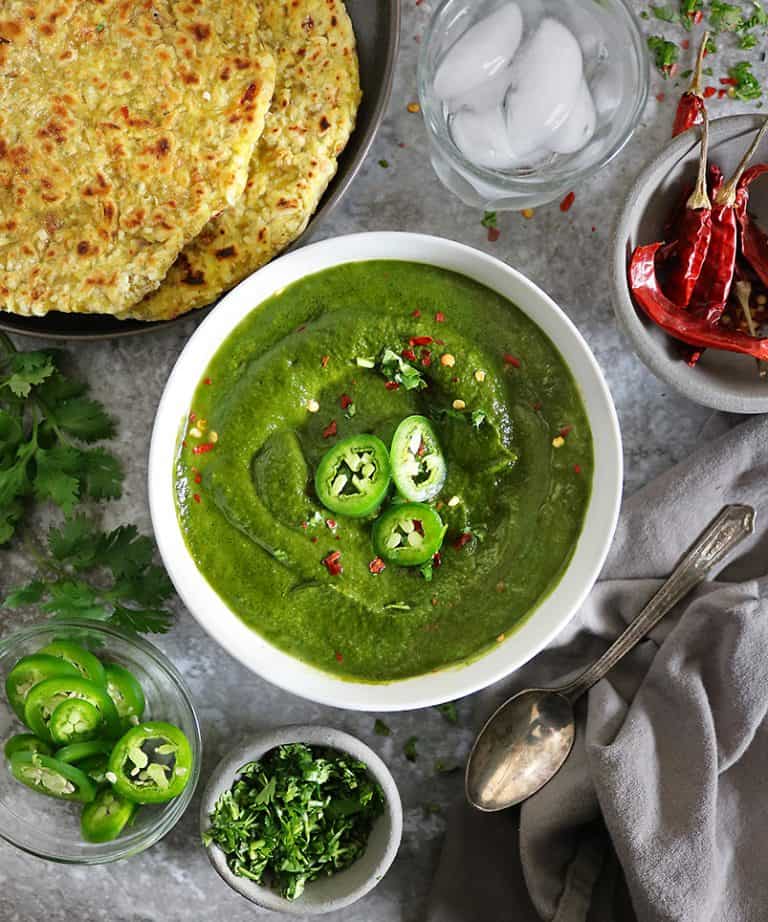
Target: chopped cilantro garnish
{"points": [[478, 418], [725, 17], [449, 712], [747, 85], [297, 814], [489, 219], [381, 729], [685, 74], [711, 48], [747, 41], [758, 18], [395, 368], [688, 11], [409, 750], [427, 571], [708, 72], [644, 14], [665, 13], [384, 164], [665, 53]]}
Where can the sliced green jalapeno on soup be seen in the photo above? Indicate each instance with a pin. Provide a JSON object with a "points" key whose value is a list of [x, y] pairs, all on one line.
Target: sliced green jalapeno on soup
{"points": [[46, 696], [75, 720], [50, 776], [28, 672], [353, 477], [106, 816], [83, 660], [26, 742], [151, 763], [126, 693], [75, 753], [408, 534], [417, 461]]}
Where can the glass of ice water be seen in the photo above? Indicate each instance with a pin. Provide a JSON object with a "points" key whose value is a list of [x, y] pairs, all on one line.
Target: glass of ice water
{"points": [[523, 99]]}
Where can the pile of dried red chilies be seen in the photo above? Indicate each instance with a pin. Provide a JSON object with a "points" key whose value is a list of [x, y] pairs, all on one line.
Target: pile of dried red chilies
{"points": [[716, 257]]}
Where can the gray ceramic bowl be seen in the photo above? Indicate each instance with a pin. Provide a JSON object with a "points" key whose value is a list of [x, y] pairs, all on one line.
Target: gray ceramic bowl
{"points": [[330, 893], [721, 380]]}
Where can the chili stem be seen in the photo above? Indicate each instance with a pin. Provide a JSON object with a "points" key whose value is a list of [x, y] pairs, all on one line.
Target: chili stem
{"points": [[699, 197], [726, 195], [695, 87], [743, 291]]}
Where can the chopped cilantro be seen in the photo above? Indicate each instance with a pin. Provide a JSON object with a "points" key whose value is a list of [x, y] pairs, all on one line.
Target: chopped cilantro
{"points": [[665, 53], [688, 11], [381, 729], [665, 13], [644, 14], [297, 814], [489, 219], [446, 768], [685, 74], [384, 164], [478, 418], [409, 750], [708, 72], [758, 18], [725, 17], [395, 368], [711, 48], [449, 712], [747, 41], [747, 85], [427, 570]]}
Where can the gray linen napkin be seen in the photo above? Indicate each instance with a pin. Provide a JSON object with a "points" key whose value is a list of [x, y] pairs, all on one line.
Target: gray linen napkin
{"points": [[661, 812]]}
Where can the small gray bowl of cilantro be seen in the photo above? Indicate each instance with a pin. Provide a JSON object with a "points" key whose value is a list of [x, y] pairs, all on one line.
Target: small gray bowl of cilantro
{"points": [[302, 820]]}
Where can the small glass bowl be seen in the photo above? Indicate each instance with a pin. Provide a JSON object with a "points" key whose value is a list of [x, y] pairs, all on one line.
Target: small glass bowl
{"points": [[50, 828], [620, 46]]}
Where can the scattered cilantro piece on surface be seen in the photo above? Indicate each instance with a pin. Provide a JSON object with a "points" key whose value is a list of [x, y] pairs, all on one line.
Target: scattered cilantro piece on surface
{"points": [[384, 164], [748, 40], [665, 13], [409, 749], [490, 219], [747, 85], [688, 11], [758, 18], [725, 17], [297, 814], [708, 72], [449, 712], [711, 48], [446, 768], [395, 368], [478, 418], [381, 729], [427, 570], [107, 576], [665, 53]]}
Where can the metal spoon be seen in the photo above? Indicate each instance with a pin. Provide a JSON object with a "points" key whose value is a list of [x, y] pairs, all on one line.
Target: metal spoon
{"points": [[525, 742]]}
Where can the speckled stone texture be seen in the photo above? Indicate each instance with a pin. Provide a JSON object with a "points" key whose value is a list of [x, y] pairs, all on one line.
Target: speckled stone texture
{"points": [[568, 256]]}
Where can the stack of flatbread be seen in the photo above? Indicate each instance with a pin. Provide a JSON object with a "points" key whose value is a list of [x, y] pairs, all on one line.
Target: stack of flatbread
{"points": [[153, 153]]}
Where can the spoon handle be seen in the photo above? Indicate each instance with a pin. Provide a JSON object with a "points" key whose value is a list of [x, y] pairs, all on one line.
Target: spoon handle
{"points": [[727, 529]]}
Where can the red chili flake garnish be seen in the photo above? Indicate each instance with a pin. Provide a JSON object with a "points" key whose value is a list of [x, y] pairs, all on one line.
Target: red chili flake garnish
{"points": [[301, 328], [324, 360], [660, 97], [305, 525], [685, 44], [207, 381], [332, 562], [420, 341], [196, 497], [439, 317], [391, 385], [464, 538], [202, 448], [339, 657], [729, 81], [313, 539], [192, 417], [537, 406], [437, 560], [426, 358], [401, 143], [569, 199], [566, 431], [418, 527], [416, 313], [721, 94], [439, 342], [331, 523], [512, 360], [408, 354], [198, 478], [346, 401], [709, 91], [184, 443], [376, 566], [576, 468], [697, 17], [493, 234], [330, 429], [593, 228], [455, 380]]}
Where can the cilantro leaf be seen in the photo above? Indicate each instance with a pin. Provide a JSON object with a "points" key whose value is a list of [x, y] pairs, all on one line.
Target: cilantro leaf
{"points": [[56, 476], [409, 749], [747, 41], [102, 474], [449, 712], [665, 13], [76, 543], [725, 17], [26, 370], [688, 11], [446, 768], [381, 729], [665, 53], [747, 85], [138, 620], [26, 595], [490, 219], [395, 368], [85, 419]]}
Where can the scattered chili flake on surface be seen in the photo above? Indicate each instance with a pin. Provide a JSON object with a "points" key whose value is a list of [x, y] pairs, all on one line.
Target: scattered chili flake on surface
{"points": [[304, 525], [330, 429], [565, 431], [418, 527], [527, 213], [324, 361], [198, 478], [345, 401], [313, 539], [202, 448], [333, 563], [685, 44], [207, 381], [463, 539], [301, 328], [709, 91], [493, 234], [576, 468], [434, 602], [437, 560], [192, 417], [439, 317], [501, 586], [729, 81], [512, 360], [420, 340], [391, 385], [416, 313], [330, 523], [196, 497], [426, 358], [339, 657], [697, 17], [184, 443], [413, 107], [660, 97], [376, 566], [721, 94], [568, 201], [593, 228], [537, 406], [408, 354]]}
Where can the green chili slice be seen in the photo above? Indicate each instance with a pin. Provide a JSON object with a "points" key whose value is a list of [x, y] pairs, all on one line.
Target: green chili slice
{"points": [[75, 753], [105, 817], [408, 534], [28, 672], [46, 696], [83, 660], [151, 763], [47, 775], [126, 693], [75, 720], [417, 461], [353, 477], [26, 742]]}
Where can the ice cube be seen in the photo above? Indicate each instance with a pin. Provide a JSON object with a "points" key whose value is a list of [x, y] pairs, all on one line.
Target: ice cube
{"points": [[606, 93], [577, 130], [485, 95], [546, 76], [482, 138], [480, 53]]}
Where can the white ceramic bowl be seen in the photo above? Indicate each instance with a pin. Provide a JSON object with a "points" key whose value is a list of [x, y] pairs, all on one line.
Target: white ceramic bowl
{"points": [[328, 893], [554, 611]]}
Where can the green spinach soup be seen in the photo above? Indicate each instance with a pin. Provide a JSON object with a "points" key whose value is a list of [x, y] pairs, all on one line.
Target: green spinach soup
{"points": [[385, 468]]}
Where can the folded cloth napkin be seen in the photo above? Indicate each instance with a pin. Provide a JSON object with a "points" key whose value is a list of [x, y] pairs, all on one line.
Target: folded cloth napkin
{"points": [[661, 811]]}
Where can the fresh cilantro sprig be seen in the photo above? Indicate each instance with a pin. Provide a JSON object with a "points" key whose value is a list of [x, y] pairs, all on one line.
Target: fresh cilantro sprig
{"points": [[665, 53], [48, 430], [747, 85], [105, 576], [297, 814], [395, 368], [725, 17]]}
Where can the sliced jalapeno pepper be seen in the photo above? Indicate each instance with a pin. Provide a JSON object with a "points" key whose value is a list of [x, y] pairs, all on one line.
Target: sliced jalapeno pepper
{"points": [[49, 776], [418, 463], [408, 534], [151, 763], [46, 696], [26, 742], [105, 817], [79, 752], [126, 693], [353, 477], [75, 721], [96, 767], [83, 660], [28, 672]]}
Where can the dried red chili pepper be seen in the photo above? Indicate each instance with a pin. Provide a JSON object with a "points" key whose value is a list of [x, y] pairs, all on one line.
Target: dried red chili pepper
{"points": [[714, 284], [743, 291], [754, 240], [690, 109], [683, 325], [694, 231]]}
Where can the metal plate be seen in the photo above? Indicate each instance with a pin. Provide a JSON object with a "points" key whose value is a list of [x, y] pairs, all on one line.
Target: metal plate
{"points": [[377, 29]]}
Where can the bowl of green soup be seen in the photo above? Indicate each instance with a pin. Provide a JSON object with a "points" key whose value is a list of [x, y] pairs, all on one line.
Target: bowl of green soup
{"points": [[385, 471]]}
